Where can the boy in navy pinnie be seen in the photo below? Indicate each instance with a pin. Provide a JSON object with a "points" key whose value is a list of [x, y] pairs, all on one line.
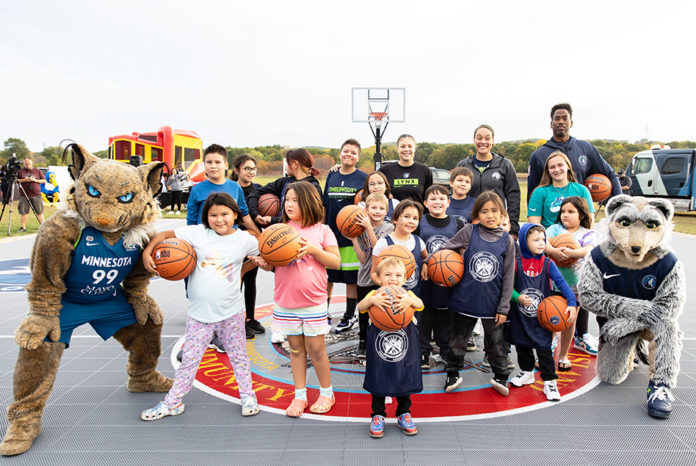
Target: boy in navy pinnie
{"points": [[533, 274]]}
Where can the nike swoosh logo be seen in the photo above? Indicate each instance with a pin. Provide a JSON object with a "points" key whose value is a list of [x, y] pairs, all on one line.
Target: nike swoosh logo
{"points": [[91, 244], [605, 276]]}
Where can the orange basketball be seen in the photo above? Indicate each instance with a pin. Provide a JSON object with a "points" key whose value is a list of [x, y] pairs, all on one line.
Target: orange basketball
{"points": [[565, 240], [269, 205], [551, 313], [390, 320], [401, 253], [358, 197], [599, 187], [279, 244], [446, 267], [347, 221], [174, 259]]}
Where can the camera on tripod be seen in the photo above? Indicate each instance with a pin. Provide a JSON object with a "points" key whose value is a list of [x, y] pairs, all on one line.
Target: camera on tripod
{"points": [[11, 168]]}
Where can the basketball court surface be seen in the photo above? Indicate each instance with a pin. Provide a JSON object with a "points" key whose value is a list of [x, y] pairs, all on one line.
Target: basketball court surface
{"points": [[91, 418]]}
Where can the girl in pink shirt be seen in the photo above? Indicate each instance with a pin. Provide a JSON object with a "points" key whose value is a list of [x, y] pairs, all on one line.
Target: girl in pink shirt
{"points": [[300, 295]]}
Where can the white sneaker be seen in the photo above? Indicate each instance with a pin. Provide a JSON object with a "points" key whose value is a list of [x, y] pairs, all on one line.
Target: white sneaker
{"points": [[551, 391], [178, 213], [522, 379], [277, 337]]}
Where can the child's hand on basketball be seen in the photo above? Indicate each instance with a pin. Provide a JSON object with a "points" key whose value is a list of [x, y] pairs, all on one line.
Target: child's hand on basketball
{"points": [[307, 247], [500, 319], [401, 303], [524, 300], [424, 272], [572, 313], [557, 254], [149, 262], [363, 220], [381, 300], [262, 264]]}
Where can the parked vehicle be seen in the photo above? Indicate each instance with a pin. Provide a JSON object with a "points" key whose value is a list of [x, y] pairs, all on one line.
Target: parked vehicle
{"points": [[665, 173]]}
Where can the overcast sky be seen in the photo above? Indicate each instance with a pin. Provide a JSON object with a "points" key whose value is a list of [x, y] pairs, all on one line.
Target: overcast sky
{"points": [[259, 73]]}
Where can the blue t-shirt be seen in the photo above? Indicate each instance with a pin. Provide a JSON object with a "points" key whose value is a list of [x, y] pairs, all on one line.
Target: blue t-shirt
{"points": [[546, 201], [200, 192]]}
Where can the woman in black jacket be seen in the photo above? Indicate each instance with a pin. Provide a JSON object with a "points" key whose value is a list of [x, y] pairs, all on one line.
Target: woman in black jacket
{"points": [[494, 172]]}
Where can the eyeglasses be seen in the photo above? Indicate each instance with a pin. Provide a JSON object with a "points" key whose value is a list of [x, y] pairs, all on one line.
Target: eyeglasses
{"points": [[250, 169]]}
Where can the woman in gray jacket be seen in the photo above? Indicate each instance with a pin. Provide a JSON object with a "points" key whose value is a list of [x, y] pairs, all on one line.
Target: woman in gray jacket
{"points": [[494, 172], [175, 184]]}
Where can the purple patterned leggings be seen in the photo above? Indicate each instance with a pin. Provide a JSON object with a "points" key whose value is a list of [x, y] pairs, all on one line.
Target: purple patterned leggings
{"points": [[198, 334]]}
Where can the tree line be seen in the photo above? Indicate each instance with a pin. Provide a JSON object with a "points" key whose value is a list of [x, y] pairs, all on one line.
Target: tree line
{"points": [[270, 158]]}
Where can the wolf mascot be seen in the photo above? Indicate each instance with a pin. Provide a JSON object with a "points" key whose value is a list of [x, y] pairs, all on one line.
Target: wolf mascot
{"points": [[86, 268], [635, 282]]}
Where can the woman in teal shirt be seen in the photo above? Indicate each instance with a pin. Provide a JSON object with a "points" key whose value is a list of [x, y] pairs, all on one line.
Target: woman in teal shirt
{"points": [[557, 183]]}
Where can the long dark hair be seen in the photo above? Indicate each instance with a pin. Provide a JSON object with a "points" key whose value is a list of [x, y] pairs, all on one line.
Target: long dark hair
{"points": [[221, 199], [240, 160], [304, 158], [309, 202], [366, 187], [580, 203]]}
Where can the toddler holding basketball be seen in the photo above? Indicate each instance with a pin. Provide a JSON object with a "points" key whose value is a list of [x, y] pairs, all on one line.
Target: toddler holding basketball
{"points": [[376, 227], [484, 292], [393, 367], [574, 218], [300, 295], [532, 273], [215, 305]]}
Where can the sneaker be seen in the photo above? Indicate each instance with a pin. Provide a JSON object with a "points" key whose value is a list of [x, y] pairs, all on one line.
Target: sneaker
{"points": [[405, 421], [500, 385], [249, 333], [510, 363], [471, 344], [362, 349], [551, 391], [453, 381], [21, 230], [377, 426], [522, 379], [178, 213], [250, 406], [660, 400], [437, 359], [216, 344], [277, 336], [485, 362], [255, 326], [425, 361], [160, 411], [346, 324], [586, 343]]}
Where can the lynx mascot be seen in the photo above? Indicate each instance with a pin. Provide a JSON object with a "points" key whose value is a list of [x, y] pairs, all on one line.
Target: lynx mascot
{"points": [[86, 269], [635, 281]]}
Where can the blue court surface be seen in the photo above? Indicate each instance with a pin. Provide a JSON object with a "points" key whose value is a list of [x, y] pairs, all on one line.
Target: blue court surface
{"points": [[91, 417]]}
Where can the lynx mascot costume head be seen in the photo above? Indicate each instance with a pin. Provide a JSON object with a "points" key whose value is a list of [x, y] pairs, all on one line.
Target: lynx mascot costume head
{"points": [[634, 281], [86, 268]]}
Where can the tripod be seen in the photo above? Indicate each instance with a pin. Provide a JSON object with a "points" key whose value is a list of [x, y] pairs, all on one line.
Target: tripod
{"points": [[8, 198]]}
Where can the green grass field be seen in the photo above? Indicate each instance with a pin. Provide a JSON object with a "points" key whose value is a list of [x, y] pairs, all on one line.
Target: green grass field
{"points": [[683, 222]]}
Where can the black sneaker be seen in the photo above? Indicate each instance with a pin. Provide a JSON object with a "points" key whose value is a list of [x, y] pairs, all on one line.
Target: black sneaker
{"points": [[500, 384], [453, 381], [249, 332], [660, 400], [362, 349], [471, 344], [255, 326], [216, 344], [425, 361], [22, 230]]}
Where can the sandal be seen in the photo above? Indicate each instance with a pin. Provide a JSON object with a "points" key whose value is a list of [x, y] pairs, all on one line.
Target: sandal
{"points": [[564, 365], [159, 411], [323, 405], [296, 408], [250, 406]]}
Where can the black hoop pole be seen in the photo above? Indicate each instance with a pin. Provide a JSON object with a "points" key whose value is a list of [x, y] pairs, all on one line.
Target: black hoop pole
{"points": [[377, 132]]}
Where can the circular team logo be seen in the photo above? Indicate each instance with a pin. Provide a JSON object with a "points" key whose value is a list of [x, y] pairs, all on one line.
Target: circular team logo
{"points": [[536, 297], [413, 279], [649, 282], [496, 176], [484, 266], [474, 399], [15, 274], [582, 160], [391, 346], [435, 242]]}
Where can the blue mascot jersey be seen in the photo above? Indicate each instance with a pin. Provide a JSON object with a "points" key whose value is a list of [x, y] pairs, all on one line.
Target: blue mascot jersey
{"points": [[640, 284], [97, 269], [93, 286]]}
